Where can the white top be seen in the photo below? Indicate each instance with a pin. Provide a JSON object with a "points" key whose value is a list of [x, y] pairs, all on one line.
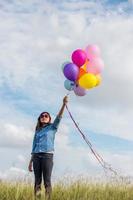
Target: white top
{"points": [[50, 152]]}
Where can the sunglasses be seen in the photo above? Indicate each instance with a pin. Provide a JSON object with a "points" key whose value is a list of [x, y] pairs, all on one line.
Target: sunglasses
{"points": [[44, 115]]}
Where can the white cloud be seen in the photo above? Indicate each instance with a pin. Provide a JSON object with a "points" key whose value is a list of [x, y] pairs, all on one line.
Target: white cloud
{"points": [[105, 121], [70, 155], [15, 174], [14, 136], [17, 127], [130, 1], [31, 46], [21, 158], [77, 160], [122, 163]]}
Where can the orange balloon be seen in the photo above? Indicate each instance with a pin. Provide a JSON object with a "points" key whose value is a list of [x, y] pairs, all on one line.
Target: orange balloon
{"points": [[81, 72], [85, 65]]}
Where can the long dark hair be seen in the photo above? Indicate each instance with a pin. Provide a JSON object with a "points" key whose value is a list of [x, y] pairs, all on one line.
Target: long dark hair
{"points": [[39, 125]]}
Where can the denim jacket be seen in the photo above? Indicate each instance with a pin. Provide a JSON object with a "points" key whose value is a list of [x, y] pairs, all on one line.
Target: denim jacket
{"points": [[44, 138]]}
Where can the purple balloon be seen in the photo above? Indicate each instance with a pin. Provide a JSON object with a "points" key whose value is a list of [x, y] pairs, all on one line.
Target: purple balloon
{"points": [[79, 91], [71, 71]]}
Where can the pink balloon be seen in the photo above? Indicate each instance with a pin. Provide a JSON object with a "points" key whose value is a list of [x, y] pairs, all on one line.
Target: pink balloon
{"points": [[79, 91], [95, 66], [79, 57], [92, 51]]}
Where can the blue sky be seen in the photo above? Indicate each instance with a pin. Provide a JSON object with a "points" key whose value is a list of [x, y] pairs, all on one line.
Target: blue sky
{"points": [[36, 38]]}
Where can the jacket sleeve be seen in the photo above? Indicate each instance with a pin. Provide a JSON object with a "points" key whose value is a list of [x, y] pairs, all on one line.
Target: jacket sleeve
{"points": [[33, 145], [56, 122]]}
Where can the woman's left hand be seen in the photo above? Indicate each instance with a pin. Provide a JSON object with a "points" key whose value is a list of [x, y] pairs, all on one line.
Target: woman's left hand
{"points": [[30, 166]]}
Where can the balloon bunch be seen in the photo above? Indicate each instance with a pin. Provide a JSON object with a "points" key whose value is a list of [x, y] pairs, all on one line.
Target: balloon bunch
{"points": [[84, 72]]}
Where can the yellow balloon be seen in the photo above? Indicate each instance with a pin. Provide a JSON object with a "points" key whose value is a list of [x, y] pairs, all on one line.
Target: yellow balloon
{"points": [[99, 79], [88, 81]]}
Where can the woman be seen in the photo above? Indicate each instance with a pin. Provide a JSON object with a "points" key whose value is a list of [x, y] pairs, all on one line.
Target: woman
{"points": [[43, 150]]}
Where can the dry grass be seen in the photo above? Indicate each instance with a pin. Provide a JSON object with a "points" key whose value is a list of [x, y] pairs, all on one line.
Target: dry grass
{"points": [[75, 191]]}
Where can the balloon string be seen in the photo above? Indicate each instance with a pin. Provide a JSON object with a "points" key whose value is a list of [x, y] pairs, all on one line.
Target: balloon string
{"points": [[101, 161]]}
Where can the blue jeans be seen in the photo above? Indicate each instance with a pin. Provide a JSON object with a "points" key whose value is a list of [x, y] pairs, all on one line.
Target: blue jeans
{"points": [[43, 165]]}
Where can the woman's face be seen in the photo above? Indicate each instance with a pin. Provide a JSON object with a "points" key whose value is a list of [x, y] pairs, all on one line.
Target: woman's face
{"points": [[44, 118]]}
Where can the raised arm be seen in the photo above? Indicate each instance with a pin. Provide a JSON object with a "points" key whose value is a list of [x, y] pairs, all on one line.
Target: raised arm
{"points": [[59, 115], [65, 100]]}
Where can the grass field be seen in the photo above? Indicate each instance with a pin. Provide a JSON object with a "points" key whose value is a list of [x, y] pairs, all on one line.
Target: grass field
{"points": [[75, 191]]}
